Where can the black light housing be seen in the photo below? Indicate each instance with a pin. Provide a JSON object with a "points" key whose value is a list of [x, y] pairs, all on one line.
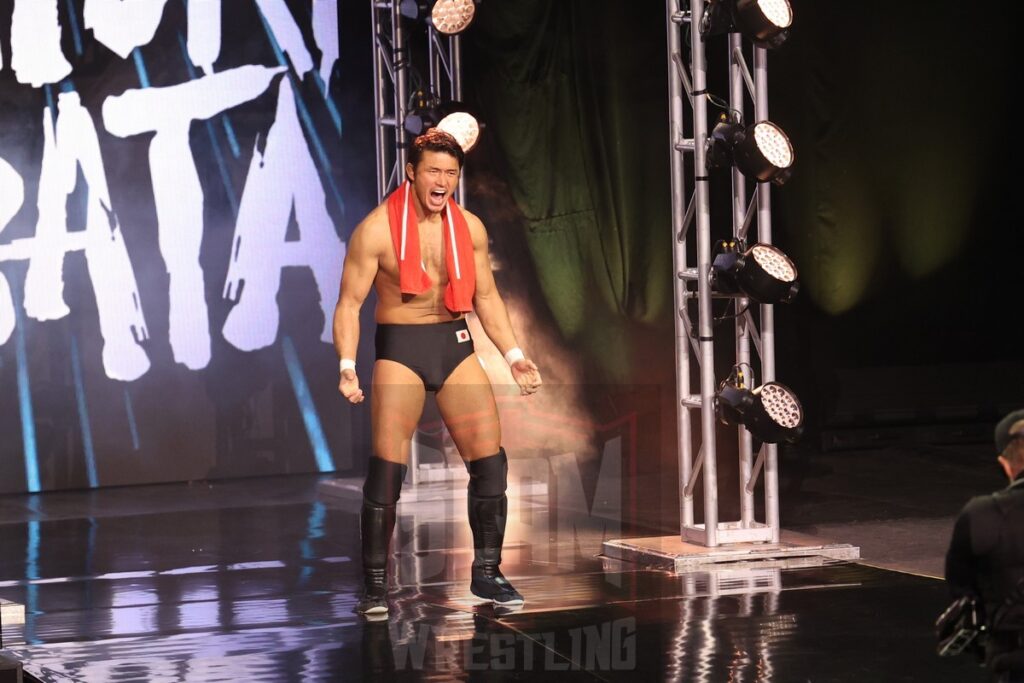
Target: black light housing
{"points": [[761, 151], [766, 23], [424, 113], [452, 117], [763, 273], [771, 412], [447, 16]]}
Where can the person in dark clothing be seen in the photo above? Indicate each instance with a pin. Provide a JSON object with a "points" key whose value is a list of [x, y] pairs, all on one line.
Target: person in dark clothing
{"points": [[986, 555]]}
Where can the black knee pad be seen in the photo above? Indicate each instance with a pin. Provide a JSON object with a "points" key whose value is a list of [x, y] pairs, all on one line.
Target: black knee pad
{"points": [[383, 483], [488, 477]]}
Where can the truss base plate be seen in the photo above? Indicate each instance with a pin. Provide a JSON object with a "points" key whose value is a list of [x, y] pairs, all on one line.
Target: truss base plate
{"points": [[11, 613], [12, 621], [670, 552]]}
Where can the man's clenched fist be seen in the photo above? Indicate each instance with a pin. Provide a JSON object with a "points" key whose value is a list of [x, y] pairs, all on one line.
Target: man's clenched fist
{"points": [[349, 386]]}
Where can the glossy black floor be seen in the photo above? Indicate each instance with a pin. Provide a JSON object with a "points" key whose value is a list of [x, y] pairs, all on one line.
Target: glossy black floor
{"points": [[256, 581]]}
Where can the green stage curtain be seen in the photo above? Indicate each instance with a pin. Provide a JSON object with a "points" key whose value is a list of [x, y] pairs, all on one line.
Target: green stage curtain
{"points": [[573, 92]]}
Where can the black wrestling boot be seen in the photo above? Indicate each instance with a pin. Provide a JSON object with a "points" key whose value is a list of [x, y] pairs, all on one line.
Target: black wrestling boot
{"points": [[487, 520], [376, 525]]}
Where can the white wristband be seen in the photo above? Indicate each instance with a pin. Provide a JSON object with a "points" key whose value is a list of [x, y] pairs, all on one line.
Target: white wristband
{"points": [[346, 364], [514, 354]]}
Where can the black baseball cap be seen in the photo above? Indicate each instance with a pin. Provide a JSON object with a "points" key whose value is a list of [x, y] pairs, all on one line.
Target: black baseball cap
{"points": [[1009, 428]]}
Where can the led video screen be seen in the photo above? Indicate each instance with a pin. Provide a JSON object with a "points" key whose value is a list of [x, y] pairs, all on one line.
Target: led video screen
{"points": [[172, 232]]}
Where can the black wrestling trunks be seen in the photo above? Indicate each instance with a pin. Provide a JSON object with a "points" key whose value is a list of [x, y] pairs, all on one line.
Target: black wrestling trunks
{"points": [[432, 351]]}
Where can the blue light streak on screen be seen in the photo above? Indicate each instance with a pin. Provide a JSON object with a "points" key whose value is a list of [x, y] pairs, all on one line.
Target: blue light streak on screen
{"points": [[32, 590], [324, 461], [131, 419], [51, 105], [222, 167], [307, 121], [314, 530], [83, 414], [28, 422], [140, 67], [332, 108], [229, 130], [76, 34]]}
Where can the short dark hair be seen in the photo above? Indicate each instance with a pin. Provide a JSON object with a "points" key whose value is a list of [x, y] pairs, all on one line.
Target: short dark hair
{"points": [[435, 140], [1014, 452], [1010, 428]]}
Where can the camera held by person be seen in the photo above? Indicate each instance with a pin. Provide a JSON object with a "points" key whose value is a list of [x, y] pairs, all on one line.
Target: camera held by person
{"points": [[985, 567]]}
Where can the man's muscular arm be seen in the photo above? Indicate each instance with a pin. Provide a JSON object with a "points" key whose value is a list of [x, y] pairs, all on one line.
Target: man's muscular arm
{"points": [[487, 302], [490, 309], [361, 263]]}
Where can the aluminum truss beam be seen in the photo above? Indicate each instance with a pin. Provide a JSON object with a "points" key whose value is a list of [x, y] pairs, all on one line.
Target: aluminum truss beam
{"points": [[691, 209], [392, 62], [390, 93]]}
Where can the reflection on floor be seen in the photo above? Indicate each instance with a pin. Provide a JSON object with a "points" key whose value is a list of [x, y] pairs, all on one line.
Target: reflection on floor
{"points": [[256, 581]]}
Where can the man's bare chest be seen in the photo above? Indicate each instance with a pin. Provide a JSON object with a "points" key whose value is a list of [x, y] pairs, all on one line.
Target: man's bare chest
{"points": [[432, 248], [432, 255]]}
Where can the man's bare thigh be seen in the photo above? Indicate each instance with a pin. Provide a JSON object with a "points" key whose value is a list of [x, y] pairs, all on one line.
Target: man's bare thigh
{"points": [[396, 405], [467, 406]]}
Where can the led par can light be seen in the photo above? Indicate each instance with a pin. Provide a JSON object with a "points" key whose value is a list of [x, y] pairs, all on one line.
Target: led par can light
{"points": [[764, 153], [763, 273], [423, 114], [446, 16], [452, 16], [724, 138], [419, 121], [771, 413], [453, 118], [761, 151], [462, 126], [411, 9], [732, 403], [764, 22]]}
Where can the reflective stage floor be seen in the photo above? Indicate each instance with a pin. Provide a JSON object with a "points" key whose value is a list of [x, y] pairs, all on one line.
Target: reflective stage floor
{"points": [[256, 580]]}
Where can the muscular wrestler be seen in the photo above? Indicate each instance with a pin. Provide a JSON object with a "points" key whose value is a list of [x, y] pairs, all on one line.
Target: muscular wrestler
{"points": [[427, 259]]}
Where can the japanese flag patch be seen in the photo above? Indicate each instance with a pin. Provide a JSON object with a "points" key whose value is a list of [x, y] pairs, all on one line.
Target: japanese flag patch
{"points": [[462, 336]]}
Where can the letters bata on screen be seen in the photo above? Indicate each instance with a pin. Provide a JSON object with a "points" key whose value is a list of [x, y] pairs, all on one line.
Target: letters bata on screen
{"points": [[282, 176]]}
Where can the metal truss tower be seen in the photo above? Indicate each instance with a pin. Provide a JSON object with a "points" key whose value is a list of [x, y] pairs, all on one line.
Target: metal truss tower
{"points": [[395, 62], [692, 258]]}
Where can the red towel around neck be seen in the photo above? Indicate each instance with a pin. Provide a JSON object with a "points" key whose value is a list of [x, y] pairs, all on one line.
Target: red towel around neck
{"points": [[458, 251]]}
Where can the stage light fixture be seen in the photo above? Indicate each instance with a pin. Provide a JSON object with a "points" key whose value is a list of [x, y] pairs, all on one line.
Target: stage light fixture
{"points": [[463, 127], [447, 16], [453, 118], [771, 413], [421, 118], [762, 272], [761, 151], [765, 23]]}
